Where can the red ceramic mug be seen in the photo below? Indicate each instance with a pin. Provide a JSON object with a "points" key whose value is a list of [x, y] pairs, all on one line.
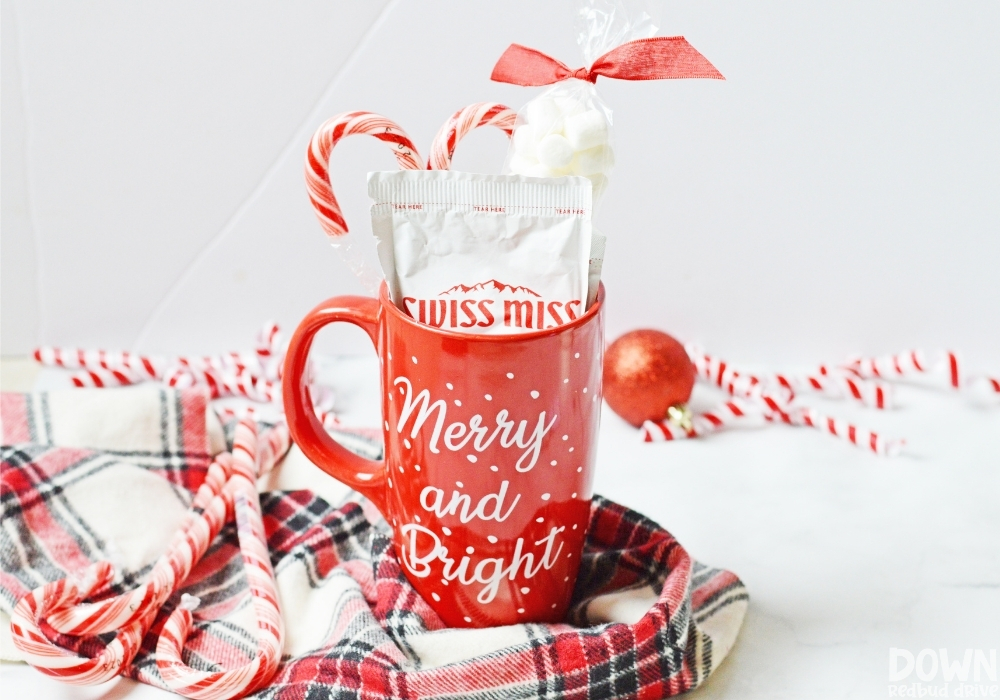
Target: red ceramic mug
{"points": [[490, 442]]}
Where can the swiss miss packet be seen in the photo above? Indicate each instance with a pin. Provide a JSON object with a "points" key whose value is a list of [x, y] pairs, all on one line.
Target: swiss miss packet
{"points": [[487, 254]]}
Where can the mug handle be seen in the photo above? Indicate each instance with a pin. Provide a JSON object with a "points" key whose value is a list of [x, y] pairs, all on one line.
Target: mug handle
{"points": [[361, 474]]}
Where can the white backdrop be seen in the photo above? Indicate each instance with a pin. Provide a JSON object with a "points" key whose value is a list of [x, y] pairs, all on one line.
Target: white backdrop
{"points": [[838, 193]]}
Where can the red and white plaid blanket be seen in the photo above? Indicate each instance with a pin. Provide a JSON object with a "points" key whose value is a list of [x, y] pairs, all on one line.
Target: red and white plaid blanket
{"points": [[93, 475]]}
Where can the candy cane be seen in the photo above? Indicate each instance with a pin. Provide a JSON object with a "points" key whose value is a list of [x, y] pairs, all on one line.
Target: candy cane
{"points": [[985, 385], [323, 402], [833, 383], [774, 397], [226, 414], [222, 384], [461, 123], [130, 615], [100, 368], [861, 437], [270, 350], [736, 413], [182, 376], [261, 362], [201, 524], [915, 363], [908, 364], [52, 660], [318, 157], [729, 413], [903, 364], [100, 378], [148, 367], [268, 340], [250, 459], [255, 375]]}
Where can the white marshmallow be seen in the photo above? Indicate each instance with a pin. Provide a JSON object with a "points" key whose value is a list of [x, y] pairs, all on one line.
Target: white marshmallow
{"points": [[520, 165], [570, 106], [524, 141], [541, 171], [587, 130], [593, 160], [544, 116], [554, 151], [530, 167]]}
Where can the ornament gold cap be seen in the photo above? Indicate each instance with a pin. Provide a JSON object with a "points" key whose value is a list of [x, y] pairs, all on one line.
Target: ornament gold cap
{"points": [[680, 415]]}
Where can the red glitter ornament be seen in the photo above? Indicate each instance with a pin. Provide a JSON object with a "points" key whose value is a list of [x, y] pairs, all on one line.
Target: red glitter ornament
{"points": [[646, 372]]}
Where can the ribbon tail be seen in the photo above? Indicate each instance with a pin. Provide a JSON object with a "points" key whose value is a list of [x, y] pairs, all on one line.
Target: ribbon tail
{"points": [[657, 58], [520, 65]]}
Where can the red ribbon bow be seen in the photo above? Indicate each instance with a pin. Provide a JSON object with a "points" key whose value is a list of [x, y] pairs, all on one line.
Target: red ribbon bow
{"points": [[657, 58]]}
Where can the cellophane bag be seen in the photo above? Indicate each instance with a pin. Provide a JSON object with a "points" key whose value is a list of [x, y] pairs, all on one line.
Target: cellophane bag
{"points": [[567, 130]]}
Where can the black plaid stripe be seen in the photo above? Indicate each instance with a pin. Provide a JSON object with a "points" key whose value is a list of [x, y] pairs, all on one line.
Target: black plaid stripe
{"points": [[735, 592], [549, 681], [38, 418], [225, 582], [398, 619], [301, 526], [221, 640], [628, 554], [701, 574]]}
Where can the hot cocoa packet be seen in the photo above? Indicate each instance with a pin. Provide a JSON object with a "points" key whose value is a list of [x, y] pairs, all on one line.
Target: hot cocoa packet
{"points": [[487, 254]]}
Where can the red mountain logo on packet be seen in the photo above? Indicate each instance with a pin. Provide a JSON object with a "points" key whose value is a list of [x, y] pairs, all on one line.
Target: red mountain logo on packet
{"points": [[492, 304], [488, 284]]}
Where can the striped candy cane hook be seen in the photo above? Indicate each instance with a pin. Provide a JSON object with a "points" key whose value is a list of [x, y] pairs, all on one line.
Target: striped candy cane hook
{"points": [[201, 524], [461, 123], [227, 488], [318, 157], [250, 458], [54, 661], [131, 614]]}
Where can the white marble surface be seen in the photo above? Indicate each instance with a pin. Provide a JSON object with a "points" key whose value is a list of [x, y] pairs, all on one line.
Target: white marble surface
{"points": [[845, 554]]}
